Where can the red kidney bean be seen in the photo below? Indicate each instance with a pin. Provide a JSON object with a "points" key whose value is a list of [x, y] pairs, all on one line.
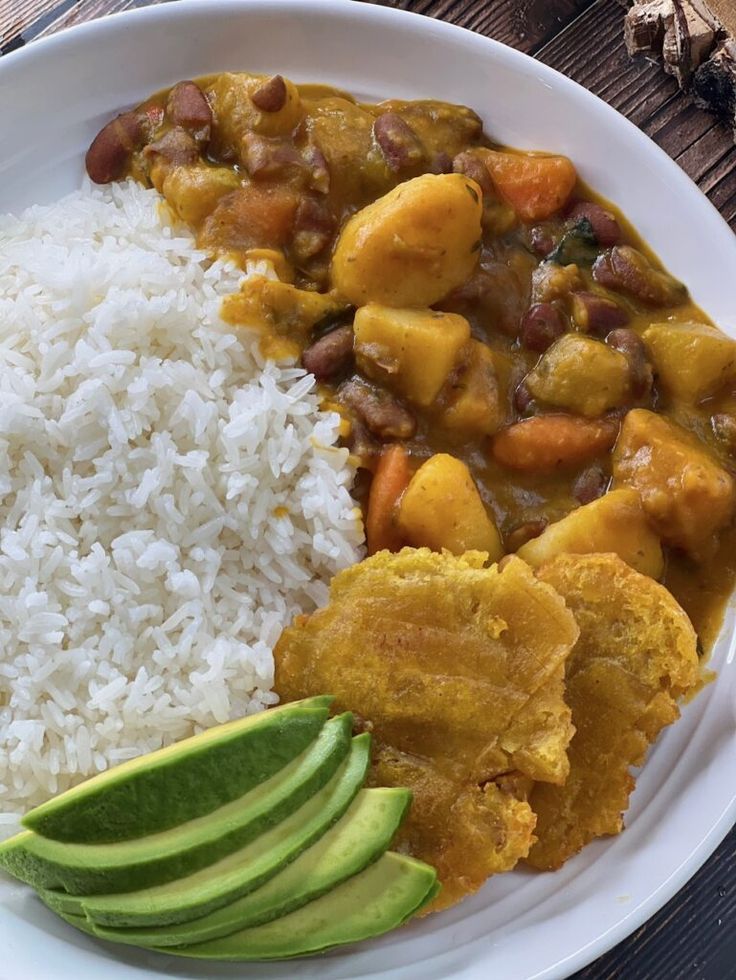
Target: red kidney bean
{"points": [[624, 268], [541, 326], [314, 227], [316, 161], [263, 157], [384, 416], [187, 106], [542, 241], [468, 163], [591, 484], [629, 343], [597, 314], [177, 146], [605, 227], [330, 355], [400, 145], [363, 445], [441, 163], [271, 96], [111, 150]]}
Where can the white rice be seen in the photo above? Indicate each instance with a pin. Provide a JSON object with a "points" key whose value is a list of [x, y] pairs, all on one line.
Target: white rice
{"points": [[168, 501]]}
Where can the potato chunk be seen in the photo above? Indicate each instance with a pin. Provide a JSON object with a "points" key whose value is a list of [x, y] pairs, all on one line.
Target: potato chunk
{"points": [[614, 523], [478, 401], [412, 246], [687, 496], [441, 508], [458, 671], [582, 375], [692, 360], [635, 657], [237, 115], [193, 191], [278, 311], [412, 351]]}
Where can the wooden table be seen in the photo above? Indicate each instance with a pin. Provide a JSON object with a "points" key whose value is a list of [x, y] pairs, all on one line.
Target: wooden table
{"points": [[694, 936]]}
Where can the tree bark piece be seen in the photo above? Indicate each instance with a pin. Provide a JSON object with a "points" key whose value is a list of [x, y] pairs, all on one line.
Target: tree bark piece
{"points": [[696, 42]]}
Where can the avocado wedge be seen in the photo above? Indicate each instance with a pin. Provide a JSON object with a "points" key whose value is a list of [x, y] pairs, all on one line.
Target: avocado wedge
{"points": [[239, 873], [358, 839], [130, 865], [367, 905], [378, 899], [193, 777]]}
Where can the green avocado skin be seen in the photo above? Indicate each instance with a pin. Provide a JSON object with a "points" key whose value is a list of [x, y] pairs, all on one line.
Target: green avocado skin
{"points": [[375, 901], [360, 837], [381, 898], [82, 869], [243, 871], [193, 777]]}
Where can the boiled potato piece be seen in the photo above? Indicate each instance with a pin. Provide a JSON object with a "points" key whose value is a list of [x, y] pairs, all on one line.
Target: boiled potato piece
{"points": [[236, 115], [478, 403], [412, 351], [692, 360], [614, 523], [412, 246], [193, 191], [582, 375], [279, 311], [687, 495], [441, 508]]}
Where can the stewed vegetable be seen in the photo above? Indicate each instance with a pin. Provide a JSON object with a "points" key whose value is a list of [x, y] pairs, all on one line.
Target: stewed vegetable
{"points": [[515, 368]]}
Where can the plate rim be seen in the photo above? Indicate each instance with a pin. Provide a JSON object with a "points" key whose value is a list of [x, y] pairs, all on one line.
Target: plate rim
{"points": [[88, 31]]}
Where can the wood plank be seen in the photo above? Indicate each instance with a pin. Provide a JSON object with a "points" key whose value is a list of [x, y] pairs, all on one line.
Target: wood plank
{"points": [[641, 91], [78, 13], [23, 20], [18, 16], [524, 24], [686, 940]]}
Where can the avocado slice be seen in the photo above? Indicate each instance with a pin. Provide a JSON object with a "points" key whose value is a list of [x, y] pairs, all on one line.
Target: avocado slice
{"points": [[367, 905], [241, 872], [358, 839], [378, 899], [130, 865], [194, 776]]}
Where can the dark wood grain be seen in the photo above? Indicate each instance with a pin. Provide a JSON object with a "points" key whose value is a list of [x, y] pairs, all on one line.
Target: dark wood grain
{"points": [[524, 24], [25, 20], [694, 936], [591, 50]]}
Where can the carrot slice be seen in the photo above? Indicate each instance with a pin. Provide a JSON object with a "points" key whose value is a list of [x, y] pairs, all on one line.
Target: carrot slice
{"points": [[536, 187], [389, 482], [549, 442]]}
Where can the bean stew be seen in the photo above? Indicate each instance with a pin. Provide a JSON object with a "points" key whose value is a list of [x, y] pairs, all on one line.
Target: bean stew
{"points": [[516, 370]]}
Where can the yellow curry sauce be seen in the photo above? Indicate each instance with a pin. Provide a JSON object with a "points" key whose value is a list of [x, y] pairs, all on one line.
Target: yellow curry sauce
{"points": [[270, 172]]}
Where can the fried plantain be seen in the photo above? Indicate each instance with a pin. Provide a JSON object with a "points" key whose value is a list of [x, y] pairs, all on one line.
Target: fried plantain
{"points": [[458, 670], [635, 657]]}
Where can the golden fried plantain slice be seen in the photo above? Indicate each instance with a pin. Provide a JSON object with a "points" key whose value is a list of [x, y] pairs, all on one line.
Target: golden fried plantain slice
{"points": [[467, 832], [635, 657], [458, 670]]}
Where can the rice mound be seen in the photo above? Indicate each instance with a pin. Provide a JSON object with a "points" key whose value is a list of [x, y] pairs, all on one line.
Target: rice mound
{"points": [[168, 500]]}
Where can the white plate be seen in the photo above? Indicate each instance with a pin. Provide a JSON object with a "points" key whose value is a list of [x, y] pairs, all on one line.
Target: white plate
{"points": [[54, 97]]}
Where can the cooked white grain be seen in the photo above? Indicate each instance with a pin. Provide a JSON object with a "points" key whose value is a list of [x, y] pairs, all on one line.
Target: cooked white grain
{"points": [[168, 500]]}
